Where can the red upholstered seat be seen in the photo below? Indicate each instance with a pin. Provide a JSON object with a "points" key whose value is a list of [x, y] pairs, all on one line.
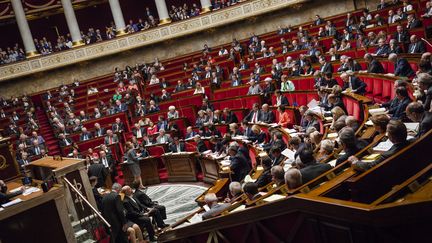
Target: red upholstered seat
{"points": [[156, 151], [190, 147]]}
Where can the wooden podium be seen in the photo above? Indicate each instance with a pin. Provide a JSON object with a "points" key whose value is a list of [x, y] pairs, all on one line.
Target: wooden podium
{"points": [[40, 217], [75, 171], [149, 171], [180, 166], [210, 168], [9, 168]]}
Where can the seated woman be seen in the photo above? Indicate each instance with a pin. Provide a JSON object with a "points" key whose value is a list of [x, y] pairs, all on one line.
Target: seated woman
{"points": [[152, 128], [257, 135], [201, 119], [172, 113], [153, 107], [337, 114], [284, 118], [199, 89], [234, 130]]}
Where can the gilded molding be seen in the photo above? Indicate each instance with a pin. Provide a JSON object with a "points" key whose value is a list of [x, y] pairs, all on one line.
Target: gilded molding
{"points": [[162, 33]]}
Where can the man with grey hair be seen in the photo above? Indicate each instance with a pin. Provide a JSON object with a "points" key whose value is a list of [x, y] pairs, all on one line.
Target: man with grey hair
{"points": [[424, 81], [215, 208], [266, 115], [113, 212], [402, 67], [293, 178], [352, 83], [163, 137], [235, 189]]}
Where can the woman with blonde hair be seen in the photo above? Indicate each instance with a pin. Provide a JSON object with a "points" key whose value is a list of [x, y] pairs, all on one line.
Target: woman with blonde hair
{"points": [[337, 113]]}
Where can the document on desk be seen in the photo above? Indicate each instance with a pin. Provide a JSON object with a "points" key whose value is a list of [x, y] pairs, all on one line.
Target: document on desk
{"points": [[288, 153], [30, 190], [412, 126], [239, 208], [273, 197], [383, 146], [13, 202], [377, 111], [225, 162], [196, 218]]}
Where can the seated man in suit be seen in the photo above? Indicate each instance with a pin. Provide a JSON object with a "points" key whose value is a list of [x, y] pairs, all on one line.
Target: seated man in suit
{"points": [[163, 137], [177, 146], [311, 168], [374, 66], [145, 200], [4, 196], [64, 141], [85, 135], [37, 137], [417, 46], [239, 164], [280, 99], [416, 113], [353, 83], [383, 49], [397, 134], [201, 146], [254, 115], [118, 126], [111, 138], [215, 208], [119, 107], [190, 133], [250, 189], [138, 131], [37, 148], [350, 144], [402, 67], [278, 173], [267, 116], [139, 214], [99, 131], [265, 178], [293, 178], [398, 111], [277, 156]]}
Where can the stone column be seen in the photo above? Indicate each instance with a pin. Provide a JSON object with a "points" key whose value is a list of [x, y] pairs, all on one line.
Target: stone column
{"points": [[72, 23], [118, 17], [24, 28], [205, 6], [162, 12]]}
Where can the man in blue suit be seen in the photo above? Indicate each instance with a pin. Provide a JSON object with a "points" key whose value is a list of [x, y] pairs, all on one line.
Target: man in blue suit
{"points": [[402, 67]]}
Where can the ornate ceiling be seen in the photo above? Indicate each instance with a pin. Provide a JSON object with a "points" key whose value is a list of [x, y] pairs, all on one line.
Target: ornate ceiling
{"points": [[41, 8]]}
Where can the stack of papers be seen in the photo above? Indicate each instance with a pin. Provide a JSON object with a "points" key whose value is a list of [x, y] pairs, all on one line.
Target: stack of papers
{"points": [[377, 111], [13, 202], [412, 126]]}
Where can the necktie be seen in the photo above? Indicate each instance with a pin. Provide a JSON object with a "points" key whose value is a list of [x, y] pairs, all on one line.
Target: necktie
{"points": [[105, 162], [110, 140], [413, 48], [139, 133], [37, 150]]}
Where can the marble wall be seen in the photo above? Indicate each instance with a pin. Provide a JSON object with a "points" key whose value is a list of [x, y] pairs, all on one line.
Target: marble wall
{"points": [[183, 45]]}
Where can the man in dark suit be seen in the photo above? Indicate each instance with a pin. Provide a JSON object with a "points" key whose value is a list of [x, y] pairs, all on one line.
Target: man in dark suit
{"points": [[145, 200], [413, 22], [4, 196], [139, 214], [280, 99], [85, 135], [236, 77], [254, 114], [37, 148], [229, 116], [325, 66], [417, 46], [312, 169], [99, 131], [401, 35], [276, 156], [374, 66], [99, 171], [397, 134], [64, 141], [416, 113], [239, 164], [201, 146], [265, 178], [177, 146], [138, 131], [119, 107], [398, 112], [113, 212], [109, 163], [111, 138], [267, 116], [190, 133], [382, 5], [118, 126], [383, 49], [243, 65], [353, 83], [402, 67]]}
